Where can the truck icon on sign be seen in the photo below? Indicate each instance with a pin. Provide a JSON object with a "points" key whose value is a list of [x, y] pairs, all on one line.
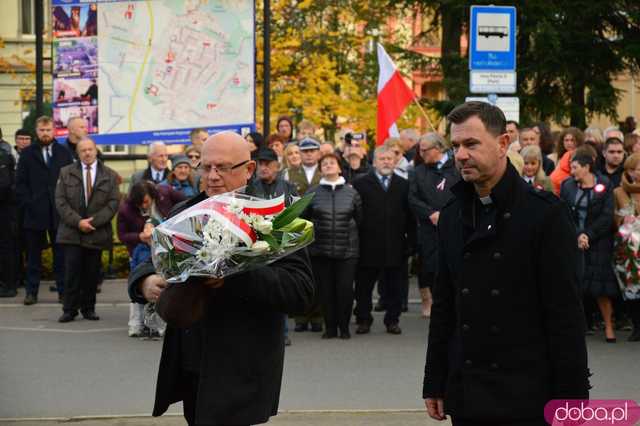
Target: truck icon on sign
{"points": [[492, 31]]}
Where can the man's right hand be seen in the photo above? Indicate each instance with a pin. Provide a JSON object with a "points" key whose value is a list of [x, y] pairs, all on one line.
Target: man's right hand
{"points": [[434, 218], [152, 286], [435, 408], [85, 225]]}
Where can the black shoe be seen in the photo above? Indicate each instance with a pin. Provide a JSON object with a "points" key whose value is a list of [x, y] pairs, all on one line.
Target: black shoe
{"points": [[99, 288], [345, 335], [53, 288], [329, 335], [91, 316], [30, 299], [287, 341], [301, 327], [380, 307], [8, 292], [60, 298], [394, 329], [316, 328], [363, 328], [635, 336], [67, 317]]}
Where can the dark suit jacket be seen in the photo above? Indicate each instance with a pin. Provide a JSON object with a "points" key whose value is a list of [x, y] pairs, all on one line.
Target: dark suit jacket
{"points": [[386, 221], [243, 343], [507, 326], [36, 184], [146, 175]]}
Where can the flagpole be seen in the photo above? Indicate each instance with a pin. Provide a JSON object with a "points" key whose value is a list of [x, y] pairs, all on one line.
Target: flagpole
{"points": [[415, 99]]}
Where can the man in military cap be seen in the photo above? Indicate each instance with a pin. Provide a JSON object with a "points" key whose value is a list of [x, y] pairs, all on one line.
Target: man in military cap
{"points": [[309, 174]]}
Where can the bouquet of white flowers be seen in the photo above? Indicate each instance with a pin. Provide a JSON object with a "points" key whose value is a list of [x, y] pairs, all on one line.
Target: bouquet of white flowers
{"points": [[627, 255], [228, 233]]}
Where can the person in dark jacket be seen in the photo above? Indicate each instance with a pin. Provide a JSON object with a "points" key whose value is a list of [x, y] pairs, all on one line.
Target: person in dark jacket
{"points": [[146, 205], [429, 191], [354, 162], [87, 199], [590, 197], [383, 240], [36, 178], [181, 177], [157, 171], [268, 182], [507, 330], [336, 212], [227, 367]]}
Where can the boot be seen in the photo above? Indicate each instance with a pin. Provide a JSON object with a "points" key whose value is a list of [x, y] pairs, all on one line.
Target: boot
{"points": [[425, 295]]}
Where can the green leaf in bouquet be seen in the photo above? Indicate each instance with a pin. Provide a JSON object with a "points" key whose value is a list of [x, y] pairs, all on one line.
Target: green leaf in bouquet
{"points": [[292, 212], [273, 243]]}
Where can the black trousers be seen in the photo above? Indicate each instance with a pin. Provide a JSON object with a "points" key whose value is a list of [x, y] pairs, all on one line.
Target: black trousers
{"points": [[81, 278], [633, 307], [335, 282], [7, 248], [404, 287], [189, 390], [366, 278], [469, 422], [36, 241]]}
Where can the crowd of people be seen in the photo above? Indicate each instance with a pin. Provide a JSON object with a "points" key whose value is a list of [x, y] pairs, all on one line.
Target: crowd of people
{"points": [[375, 213]]}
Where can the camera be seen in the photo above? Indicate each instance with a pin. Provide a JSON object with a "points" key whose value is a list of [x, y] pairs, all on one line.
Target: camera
{"points": [[350, 137]]}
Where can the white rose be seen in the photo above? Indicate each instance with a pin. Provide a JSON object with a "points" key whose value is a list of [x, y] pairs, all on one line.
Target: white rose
{"points": [[260, 246], [264, 227]]}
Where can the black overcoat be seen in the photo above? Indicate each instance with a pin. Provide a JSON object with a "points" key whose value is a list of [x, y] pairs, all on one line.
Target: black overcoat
{"points": [[36, 184], [386, 221], [243, 342], [598, 278], [429, 192], [507, 326]]}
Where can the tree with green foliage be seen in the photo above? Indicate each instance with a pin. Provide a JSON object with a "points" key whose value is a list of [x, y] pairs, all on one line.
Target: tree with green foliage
{"points": [[568, 54]]}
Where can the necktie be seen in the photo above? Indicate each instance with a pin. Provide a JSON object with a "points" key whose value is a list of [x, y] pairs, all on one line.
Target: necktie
{"points": [[385, 182], [47, 156], [88, 185]]}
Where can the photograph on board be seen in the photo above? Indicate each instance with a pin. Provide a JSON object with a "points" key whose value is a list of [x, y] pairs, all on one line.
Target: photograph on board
{"points": [[75, 92], [79, 20], [76, 58], [62, 115]]}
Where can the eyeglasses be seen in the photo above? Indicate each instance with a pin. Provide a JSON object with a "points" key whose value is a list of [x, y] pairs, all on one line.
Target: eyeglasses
{"points": [[221, 170], [194, 156]]}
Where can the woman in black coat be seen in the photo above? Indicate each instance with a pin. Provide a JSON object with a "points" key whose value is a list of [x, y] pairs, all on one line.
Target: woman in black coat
{"points": [[590, 198], [336, 211], [429, 190]]}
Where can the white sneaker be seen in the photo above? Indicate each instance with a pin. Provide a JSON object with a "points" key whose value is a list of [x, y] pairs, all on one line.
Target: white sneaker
{"points": [[136, 331]]}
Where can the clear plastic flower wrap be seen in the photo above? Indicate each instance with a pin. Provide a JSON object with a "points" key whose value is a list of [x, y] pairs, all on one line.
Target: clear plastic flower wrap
{"points": [[227, 234]]}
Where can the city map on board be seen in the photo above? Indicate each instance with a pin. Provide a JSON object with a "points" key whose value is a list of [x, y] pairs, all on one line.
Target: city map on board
{"points": [[172, 64]]}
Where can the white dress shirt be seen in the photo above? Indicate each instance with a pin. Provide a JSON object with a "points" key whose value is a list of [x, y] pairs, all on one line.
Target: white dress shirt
{"points": [[157, 175], [309, 172]]}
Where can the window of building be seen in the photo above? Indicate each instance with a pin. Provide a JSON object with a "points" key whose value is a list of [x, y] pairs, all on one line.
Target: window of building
{"points": [[27, 10], [115, 149]]}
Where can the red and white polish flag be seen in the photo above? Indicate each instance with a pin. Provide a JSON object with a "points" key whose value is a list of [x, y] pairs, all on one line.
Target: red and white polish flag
{"points": [[393, 97]]}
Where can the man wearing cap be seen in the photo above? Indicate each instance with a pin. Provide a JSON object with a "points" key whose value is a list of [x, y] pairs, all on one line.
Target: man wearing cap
{"points": [[309, 174], [268, 183], [613, 153], [181, 177]]}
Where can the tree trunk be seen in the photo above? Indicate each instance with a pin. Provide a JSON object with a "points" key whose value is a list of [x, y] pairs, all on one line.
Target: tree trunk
{"points": [[577, 107]]}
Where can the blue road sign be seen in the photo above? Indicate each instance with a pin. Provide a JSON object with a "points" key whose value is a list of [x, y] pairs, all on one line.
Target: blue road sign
{"points": [[492, 44]]}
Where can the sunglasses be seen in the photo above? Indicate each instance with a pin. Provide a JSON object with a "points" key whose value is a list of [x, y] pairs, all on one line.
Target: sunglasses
{"points": [[193, 156]]}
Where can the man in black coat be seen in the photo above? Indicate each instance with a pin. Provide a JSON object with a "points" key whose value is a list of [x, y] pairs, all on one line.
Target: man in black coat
{"points": [[383, 240], [227, 368], [429, 190], [268, 183], [507, 328], [36, 178]]}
